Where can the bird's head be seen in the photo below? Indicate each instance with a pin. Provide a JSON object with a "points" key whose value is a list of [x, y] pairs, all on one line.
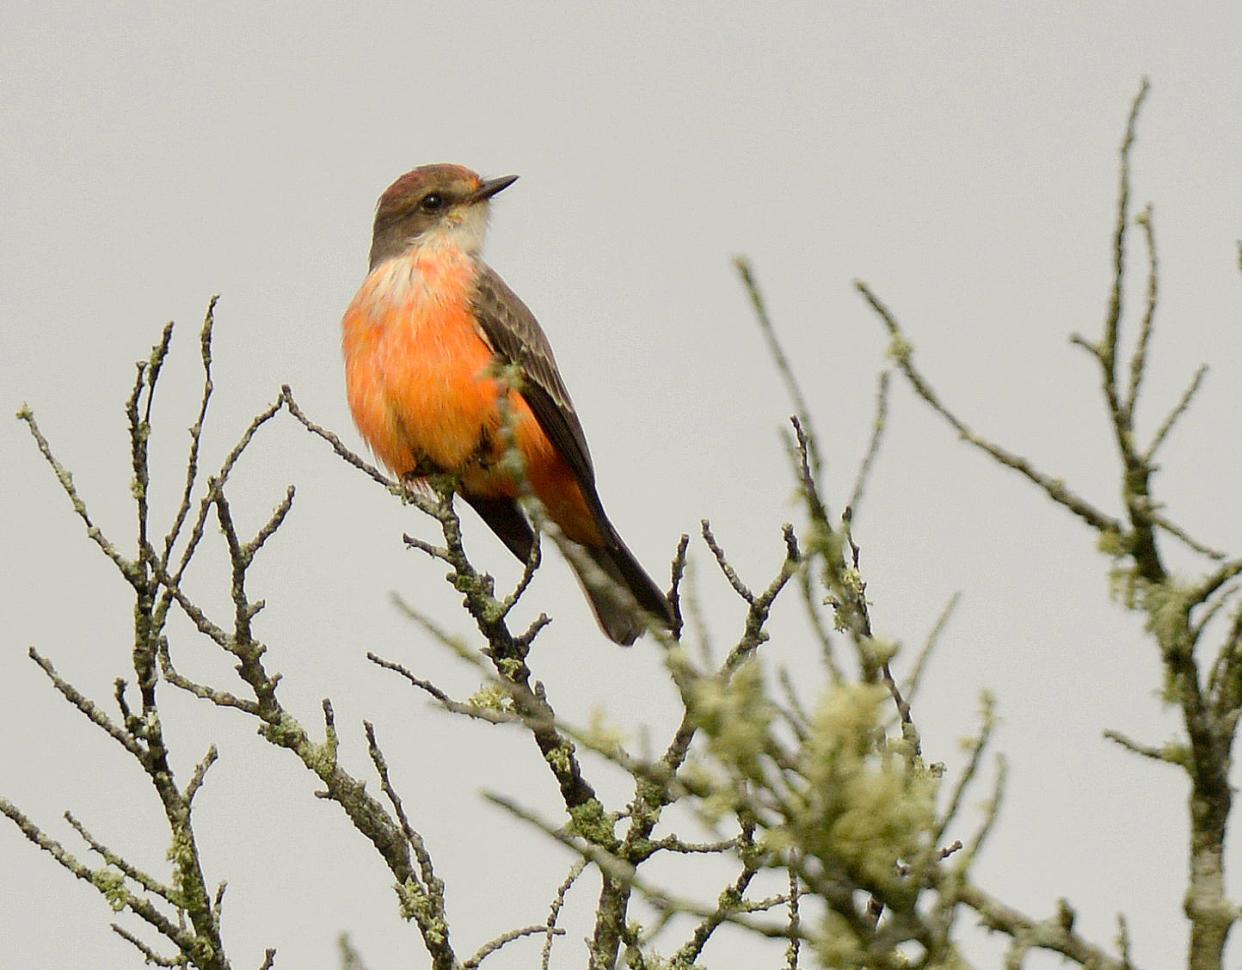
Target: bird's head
{"points": [[434, 206]]}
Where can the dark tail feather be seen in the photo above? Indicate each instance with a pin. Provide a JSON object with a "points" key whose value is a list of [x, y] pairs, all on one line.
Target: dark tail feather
{"points": [[505, 518], [617, 619]]}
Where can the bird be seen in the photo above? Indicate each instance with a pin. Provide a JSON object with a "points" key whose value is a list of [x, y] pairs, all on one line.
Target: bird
{"points": [[427, 342]]}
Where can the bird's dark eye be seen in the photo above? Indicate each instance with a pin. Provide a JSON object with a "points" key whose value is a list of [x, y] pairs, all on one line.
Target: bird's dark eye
{"points": [[433, 202]]}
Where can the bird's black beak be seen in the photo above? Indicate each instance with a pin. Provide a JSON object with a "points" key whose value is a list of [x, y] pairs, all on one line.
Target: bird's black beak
{"points": [[491, 187]]}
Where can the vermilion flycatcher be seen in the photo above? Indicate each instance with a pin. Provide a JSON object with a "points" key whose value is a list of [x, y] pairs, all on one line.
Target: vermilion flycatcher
{"points": [[422, 340]]}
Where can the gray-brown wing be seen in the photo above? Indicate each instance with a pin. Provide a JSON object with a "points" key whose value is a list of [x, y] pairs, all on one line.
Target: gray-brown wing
{"points": [[516, 337]]}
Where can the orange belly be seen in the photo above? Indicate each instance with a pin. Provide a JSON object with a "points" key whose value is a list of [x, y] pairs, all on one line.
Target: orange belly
{"points": [[416, 373]]}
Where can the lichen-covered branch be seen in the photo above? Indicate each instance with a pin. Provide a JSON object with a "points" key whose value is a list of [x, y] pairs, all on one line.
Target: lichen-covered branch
{"points": [[1209, 710], [193, 927]]}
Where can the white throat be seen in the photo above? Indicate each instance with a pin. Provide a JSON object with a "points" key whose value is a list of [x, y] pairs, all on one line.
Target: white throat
{"points": [[464, 229]]}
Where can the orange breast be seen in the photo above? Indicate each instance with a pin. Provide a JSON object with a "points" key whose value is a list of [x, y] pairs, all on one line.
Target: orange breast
{"points": [[416, 376]]}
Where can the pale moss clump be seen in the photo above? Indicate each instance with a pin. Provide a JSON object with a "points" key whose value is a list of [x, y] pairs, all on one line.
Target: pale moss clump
{"points": [[1112, 543], [490, 697], [838, 946], [590, 821], [852, 580], [865, 808], [1168, 611], [900, 349], [112, 884], [883, 650], [420, 907], [735, 715]]}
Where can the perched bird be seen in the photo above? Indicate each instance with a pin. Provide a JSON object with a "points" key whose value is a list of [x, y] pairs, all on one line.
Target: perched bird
{"points": [[422, 341]]}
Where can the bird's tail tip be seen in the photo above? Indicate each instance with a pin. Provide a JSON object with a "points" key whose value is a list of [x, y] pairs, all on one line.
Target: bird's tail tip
{"points": [[620, 621]]}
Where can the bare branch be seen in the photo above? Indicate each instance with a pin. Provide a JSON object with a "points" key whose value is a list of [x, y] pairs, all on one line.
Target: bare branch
{"points": [[1172, 417], [196, 434], [200, 773], [338, 446], [487, 949], [915, 678], [793, 948], [878, 424], [1052, 934], [1112, 324], [467, 709], [433, 885], [1054, 488], [722, 561], [743, 267], [1177, 532], [147, 882], [978, 745], [109, 884], [1172, 754], [89, 708], [674, 595], [732, 898], [1146, 220], [149, 956], [554, 911], [206, 503], [620, 870], [126, 567]]}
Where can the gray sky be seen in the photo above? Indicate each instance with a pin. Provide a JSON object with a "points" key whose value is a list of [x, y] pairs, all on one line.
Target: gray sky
{"points": [[961, 158]]}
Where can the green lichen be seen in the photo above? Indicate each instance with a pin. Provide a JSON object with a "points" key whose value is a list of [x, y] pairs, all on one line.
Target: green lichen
{"points": [[561, 758], [490, 697], [288, 733], [417, 905], [591, 822], [1177, 753], [866, 807], [838, 947], [112, 884], [884, 650], [900, 349], [1112, 543], [735, 716], [1168, 608]]}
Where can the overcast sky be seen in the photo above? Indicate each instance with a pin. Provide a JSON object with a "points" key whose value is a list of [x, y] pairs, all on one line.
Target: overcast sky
{"points": [[959, 157]]}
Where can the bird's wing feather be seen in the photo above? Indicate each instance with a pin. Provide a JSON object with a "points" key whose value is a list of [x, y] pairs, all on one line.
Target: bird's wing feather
{"points": [[516, 337]]}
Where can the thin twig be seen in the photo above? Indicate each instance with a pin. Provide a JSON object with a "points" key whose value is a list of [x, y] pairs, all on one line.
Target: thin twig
{"points": [[722, 561], [554, 911], [1169, 754], [1054, 488], [1146, 220], [149, 956], [743, 267], [490, 947], [878, 425], [65, 479], [1179, 409], [915, 678], [88, 707], [196, 433]]}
